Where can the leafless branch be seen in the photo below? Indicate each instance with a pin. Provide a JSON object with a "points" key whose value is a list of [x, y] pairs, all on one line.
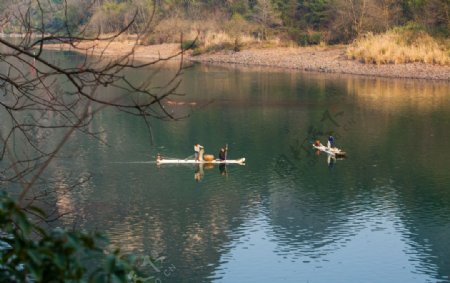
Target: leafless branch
{"points": [[39, 95]]}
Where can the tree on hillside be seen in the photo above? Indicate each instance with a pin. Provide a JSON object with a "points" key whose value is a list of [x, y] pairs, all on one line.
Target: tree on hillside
{"points": [[349, 18], [113, 16], [287, 10], [436, 15], [241, 7], [388, 12], [312, 14], [266, 16], [352, 18]]}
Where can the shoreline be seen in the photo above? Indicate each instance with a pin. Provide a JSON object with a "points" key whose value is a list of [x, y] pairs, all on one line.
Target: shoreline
{"points": [[331, 60], [309, 59]]}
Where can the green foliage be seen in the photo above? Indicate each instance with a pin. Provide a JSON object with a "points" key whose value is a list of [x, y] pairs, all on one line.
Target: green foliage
{"points": [[197, 51], [305, 39], [216, 48], [411, 33], [237, 25], [441, 32], [411, 8], [432, 14], [239, 7], [189, 44], [31, 254], [287, 9], [113, 7], [304, 14], [410, 27], [313, 13]]}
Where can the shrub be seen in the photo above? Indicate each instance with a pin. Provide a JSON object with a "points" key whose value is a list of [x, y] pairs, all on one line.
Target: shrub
{"points": [[305, 38], [31, 254], [189, 44], [197, 51]]}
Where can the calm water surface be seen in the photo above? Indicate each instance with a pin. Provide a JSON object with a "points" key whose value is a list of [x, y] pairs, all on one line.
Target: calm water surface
{"points": [[289, 214]]}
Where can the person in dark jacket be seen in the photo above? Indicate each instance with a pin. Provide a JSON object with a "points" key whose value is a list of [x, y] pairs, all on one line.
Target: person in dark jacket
{"points": [[222, 154], [330, 142]]}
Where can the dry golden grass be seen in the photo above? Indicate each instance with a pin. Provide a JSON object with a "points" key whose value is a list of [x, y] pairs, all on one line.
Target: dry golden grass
{"points": [[211, 35], [397, 47], [213, 38]]}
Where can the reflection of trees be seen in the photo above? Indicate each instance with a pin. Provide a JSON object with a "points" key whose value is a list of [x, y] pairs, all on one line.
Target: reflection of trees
{"points": [[404, 130], [406, 135], [309, 220], [157, 219], [391, 96], [190, 230], [423, 202]]}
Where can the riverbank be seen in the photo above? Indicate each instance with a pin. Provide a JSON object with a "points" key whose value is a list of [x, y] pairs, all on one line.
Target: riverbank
{"points": [[328, 60], [315, 59]]}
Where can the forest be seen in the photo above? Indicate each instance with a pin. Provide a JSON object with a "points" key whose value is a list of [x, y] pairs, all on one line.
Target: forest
{"points": [[304, 22]]}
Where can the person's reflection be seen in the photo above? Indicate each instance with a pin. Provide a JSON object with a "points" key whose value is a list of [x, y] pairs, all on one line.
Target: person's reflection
{"points": [[199, 173], [223, 170], [331, 161]]}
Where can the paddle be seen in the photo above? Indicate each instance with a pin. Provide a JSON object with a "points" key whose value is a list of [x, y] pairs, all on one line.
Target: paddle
{"points": [[226, 151], [190, 156]]}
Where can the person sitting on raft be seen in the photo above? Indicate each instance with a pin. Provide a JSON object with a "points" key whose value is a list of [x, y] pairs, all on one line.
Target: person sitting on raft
{"points": [[197, 148]]}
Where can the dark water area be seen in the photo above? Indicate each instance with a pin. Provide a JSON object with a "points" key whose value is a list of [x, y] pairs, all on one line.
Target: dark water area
{"points": [[290, 214]]}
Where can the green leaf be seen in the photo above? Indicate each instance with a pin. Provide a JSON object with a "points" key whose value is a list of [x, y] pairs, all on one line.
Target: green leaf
{"points": [[23, 224], [36, 272], [35, 256], [110, 263], [60, 260]]}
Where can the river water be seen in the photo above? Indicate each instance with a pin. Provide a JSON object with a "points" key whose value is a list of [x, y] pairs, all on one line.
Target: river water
{"points": [[289, 214]]}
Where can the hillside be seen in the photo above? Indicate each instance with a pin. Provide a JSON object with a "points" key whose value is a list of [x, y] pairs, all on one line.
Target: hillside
{"points": [[378, 31]]}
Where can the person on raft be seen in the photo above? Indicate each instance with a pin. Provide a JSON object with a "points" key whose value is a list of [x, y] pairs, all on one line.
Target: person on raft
{"points": [[223, 153], [318, 143], [330, 142], [197, 148]]}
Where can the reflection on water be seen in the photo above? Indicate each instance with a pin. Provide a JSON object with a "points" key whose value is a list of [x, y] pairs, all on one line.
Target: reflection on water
{"points": [[289, 215], [392, 96]]}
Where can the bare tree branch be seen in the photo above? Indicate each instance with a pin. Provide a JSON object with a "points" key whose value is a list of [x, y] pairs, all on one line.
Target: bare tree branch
{"points": [[40, 96]]}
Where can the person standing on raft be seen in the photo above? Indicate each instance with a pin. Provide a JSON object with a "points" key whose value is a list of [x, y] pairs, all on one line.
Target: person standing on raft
{"points": [[330, 142], [223, 153]]}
